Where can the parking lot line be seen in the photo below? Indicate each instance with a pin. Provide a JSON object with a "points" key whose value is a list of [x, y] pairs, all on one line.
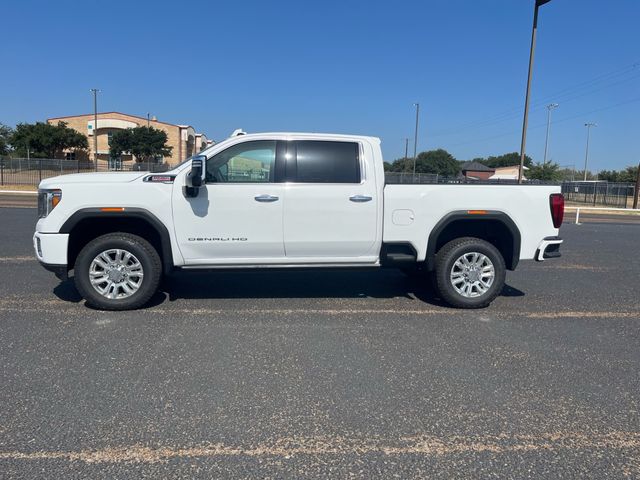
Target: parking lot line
{"points": [[425, 445]]}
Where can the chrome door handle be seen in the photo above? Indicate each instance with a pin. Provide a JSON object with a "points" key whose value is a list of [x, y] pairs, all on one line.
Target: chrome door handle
{"points": [[266, 198], [360, 198]]}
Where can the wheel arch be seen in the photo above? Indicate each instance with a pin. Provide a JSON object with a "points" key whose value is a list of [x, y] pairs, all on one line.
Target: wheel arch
{"points": [[493, 226], [89, 223]]}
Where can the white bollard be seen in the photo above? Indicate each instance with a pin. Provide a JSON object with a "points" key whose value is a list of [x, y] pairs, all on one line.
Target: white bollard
{"points": [[578, 216]]}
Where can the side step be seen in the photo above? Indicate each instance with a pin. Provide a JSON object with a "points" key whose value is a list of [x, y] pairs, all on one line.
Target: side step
{"points": [[395, 254]]}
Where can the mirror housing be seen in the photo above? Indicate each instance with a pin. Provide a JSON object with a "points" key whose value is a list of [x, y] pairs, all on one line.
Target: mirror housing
{"points": [[194, 177]]}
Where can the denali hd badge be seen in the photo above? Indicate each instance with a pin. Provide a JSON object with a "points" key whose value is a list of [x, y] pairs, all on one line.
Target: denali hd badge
{"points": [[217, 239]]}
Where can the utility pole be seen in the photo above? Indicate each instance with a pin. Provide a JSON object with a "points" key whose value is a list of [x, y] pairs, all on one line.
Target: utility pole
{"points": [[525, 120], [586, 154], [147, 119], [415, 140], [637, 192], [406, 148], [550, 107], [95, 126]]}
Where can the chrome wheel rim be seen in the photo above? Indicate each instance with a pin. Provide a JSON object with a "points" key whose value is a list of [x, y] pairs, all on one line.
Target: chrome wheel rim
{"points": [[472, 274], [116, 274]]}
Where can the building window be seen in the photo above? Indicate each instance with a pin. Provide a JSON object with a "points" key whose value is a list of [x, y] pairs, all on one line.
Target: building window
{"points": [[109, 137], [70, 156]]}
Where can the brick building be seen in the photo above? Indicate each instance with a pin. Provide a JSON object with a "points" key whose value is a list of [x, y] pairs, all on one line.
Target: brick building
{"points": [[476, 171], [183, 138]]}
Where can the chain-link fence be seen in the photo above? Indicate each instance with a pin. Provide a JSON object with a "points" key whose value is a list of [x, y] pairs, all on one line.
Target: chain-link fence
{"points": [[404, 178], [31, 171], [619, 195]]}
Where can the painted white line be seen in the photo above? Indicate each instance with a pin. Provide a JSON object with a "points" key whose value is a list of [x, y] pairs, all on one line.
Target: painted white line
{"points": [[18, 192], [604, 208]]}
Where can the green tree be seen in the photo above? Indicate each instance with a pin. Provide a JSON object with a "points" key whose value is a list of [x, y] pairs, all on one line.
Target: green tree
{"points": [[5, 139], [45, 140], [146, 143], [402, 165], [628, 175], [549, 172], [438, 161], [609, 175]]}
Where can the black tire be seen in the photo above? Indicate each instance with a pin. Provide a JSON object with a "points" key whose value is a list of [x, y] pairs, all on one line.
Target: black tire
{"points": [[447, 256], [141, 249]]}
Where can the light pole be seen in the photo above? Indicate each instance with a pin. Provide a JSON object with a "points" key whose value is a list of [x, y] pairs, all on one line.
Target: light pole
{"points": [[550, 107], [525, 120], [147, 119], [406, 148], [637, 192], [95, 126], [415, 140], [586, 154]]}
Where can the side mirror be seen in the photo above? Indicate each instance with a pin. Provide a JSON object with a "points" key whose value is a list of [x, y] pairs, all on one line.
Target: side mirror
{"points": [[194, 177]]}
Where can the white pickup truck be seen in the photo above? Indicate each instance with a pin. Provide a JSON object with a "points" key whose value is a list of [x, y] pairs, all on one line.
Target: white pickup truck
{"points": [[283, 200]]}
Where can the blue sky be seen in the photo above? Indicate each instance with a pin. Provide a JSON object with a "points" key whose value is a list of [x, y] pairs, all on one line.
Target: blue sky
{"points": [[339, 66]]}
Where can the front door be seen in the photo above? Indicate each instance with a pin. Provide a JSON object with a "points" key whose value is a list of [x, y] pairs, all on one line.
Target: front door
{"points": [[237, 216]]}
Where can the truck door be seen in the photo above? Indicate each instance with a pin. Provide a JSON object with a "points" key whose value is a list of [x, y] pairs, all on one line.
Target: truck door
{"points": [[330, 209], [237, 216]]}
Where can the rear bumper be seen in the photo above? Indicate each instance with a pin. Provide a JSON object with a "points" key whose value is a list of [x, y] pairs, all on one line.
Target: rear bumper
{"points": [[549, 248]]}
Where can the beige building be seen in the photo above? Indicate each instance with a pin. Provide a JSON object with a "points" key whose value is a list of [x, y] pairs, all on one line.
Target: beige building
{"points": [[182, 138], [508, 173]]}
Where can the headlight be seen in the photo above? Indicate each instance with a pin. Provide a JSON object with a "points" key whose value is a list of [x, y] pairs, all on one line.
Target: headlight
{"points": [[47, 201]]}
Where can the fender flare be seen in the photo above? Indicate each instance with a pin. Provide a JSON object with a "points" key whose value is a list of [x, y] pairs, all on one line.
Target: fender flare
{"points": [[464, 215], [128, 212]]}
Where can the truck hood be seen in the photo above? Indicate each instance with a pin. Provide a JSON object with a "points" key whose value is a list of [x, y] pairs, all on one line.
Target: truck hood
{"points": [[101, 177]]}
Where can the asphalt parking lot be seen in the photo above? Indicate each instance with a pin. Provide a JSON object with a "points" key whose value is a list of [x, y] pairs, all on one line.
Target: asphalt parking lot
{"points": [[326, 374]]}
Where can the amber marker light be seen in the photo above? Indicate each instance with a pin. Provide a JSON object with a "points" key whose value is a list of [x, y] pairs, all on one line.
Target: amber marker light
{"points": [[477, 212], [112, 209]]}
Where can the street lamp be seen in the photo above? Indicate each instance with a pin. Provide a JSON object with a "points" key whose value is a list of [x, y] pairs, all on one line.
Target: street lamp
{"points": [[550, 107], [95, 125], [415, 141], [525, 120], [586, 154]]}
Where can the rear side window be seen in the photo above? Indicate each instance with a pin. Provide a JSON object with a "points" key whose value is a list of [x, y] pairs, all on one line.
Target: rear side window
{"points": [[327, 162]]}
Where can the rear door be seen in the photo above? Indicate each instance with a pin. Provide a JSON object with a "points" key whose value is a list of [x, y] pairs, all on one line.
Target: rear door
{"points": [[330, 209]]}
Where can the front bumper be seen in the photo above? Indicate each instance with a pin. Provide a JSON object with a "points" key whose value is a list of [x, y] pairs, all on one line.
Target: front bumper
{"points": [[549, 248], [51, 251]]}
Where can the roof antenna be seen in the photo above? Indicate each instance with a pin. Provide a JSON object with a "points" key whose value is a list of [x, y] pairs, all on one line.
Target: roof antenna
{"points": [[238, 132]]}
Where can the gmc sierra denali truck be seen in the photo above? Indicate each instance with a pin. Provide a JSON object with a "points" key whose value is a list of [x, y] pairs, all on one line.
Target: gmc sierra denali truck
{"points": [[277, 200]]}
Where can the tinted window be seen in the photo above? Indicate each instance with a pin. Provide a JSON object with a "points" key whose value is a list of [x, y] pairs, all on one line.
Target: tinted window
{"points": [[327, 162], [246, 162]]}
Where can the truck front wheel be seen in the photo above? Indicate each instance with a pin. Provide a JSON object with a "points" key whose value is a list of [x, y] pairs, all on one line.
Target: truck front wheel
{"points": [[118, 271], [470, 272]]}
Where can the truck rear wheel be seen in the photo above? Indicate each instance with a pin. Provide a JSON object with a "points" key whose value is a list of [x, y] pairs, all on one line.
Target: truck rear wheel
{"points": [[118, 271], [470, 272]]}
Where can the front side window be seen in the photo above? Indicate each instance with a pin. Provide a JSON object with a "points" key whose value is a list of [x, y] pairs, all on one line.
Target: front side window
{"points": [[250, 162], [327, 162]]}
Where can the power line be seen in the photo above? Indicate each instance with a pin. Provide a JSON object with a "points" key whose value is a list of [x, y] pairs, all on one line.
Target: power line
{"points": [[562, 120], [560, 95]]}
